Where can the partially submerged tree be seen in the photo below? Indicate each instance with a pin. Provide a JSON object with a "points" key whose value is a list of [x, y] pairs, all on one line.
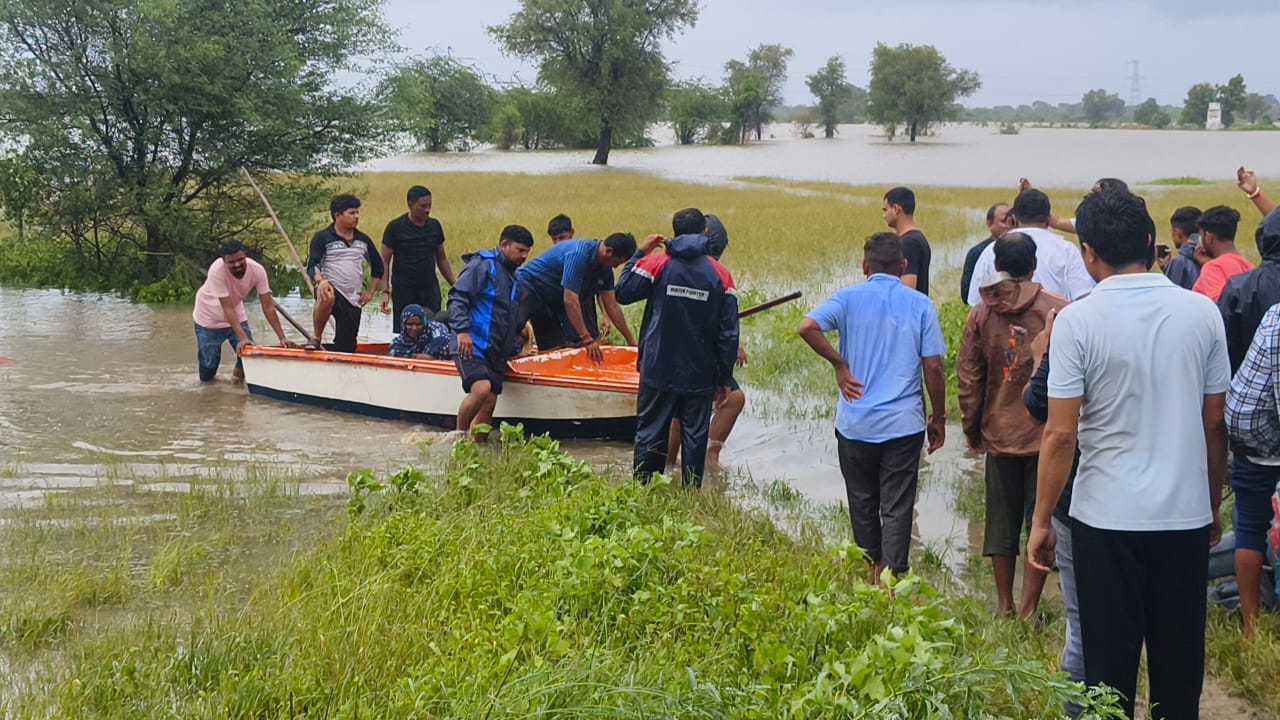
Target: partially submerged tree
{"points": [[914, 86], [438, 100], [1196, 106], [697, 111], [1232, 96], [1101, 106], [139, 114], [755, 86], [833, 91], [604, 53], [1150, 113]]}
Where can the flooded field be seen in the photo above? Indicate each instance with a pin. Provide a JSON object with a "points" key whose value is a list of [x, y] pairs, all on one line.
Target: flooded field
{"points": [[958, 156], [98, 390]]}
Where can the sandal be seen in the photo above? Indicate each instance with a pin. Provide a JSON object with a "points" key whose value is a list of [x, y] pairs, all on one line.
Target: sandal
{"points": [[312, 344]]}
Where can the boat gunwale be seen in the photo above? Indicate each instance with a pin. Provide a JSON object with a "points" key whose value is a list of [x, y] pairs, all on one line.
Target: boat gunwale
{"points": [[437, 367]]}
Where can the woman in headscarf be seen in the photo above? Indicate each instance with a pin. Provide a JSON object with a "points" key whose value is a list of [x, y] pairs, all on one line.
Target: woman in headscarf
{"points": [[422, 338]]}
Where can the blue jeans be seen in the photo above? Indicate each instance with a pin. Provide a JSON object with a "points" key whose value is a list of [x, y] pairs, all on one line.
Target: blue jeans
{"points": [[209, 348], [1254, 485], [1073, 648]]}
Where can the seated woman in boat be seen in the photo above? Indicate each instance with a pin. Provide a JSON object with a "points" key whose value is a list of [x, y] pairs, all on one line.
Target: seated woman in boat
{"points": [[422, 338]]}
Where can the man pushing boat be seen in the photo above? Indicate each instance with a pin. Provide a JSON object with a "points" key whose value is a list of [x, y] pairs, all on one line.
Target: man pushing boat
{"points": [[559, 287]]}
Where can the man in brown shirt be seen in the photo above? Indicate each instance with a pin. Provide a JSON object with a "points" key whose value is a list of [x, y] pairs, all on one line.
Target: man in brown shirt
{"points": [[994, 364]]}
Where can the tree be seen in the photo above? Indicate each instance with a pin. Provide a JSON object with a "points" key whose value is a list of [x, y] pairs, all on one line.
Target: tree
{"points": [[756, 85], [696, 110], [507, 127], [438, 100], [832, 90], [1196, 107], [139, 114], [1232, 96], [1101, 106], [605, 53], [1150, 113], [19, 191], [913, 85], [1254, 107]]}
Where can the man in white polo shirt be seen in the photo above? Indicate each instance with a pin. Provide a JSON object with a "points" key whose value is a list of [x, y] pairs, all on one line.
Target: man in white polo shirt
{"points": [[1059, 268], [1138, 375]]}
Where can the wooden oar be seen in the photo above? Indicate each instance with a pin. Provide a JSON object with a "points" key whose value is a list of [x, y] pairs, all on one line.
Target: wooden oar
{"points": [[297, 260], [770, 304], [294, 323]]}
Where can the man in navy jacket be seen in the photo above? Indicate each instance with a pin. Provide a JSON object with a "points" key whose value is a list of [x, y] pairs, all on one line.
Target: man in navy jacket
{"points": [[688, 343], [485, 314]]}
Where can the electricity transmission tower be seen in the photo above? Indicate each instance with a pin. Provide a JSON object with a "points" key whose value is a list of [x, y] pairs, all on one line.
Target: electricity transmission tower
{"points": [[1135, 86]]}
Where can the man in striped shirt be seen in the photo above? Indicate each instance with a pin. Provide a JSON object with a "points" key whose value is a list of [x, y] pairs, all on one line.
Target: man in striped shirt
{"points": [[336, 264]]}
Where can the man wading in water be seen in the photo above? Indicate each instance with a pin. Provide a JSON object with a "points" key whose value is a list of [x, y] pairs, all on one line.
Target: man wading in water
{"points": [[219, 313]]}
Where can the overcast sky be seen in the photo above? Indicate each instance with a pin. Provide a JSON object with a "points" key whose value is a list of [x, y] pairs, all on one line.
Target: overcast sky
{"points": [[1052, 50]]}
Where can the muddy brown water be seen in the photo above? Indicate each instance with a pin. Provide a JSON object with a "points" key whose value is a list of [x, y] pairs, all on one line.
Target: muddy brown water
{"points": [[99, 389]]}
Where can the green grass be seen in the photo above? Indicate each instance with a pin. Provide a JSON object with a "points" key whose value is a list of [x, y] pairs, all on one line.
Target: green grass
{"points": [[521, 583], [1180, 181]]}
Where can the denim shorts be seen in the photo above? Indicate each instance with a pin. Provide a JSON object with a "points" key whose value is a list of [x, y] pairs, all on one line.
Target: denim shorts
{"points": [[209, 348], [1253, 485]]}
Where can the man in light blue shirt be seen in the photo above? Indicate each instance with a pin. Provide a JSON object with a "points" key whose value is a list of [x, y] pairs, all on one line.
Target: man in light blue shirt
{"points": [[1138, 375], [889, 337]]}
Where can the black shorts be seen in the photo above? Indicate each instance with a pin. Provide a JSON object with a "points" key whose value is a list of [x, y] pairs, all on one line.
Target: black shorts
{"points": [[346, 321], [478, 367], [1010, 498]]}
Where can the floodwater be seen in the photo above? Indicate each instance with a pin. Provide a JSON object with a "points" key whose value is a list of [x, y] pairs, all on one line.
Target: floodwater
{"points": [[958, 155], [94, 389]]}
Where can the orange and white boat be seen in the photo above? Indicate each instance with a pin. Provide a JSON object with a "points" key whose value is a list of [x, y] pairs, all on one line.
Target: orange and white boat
{"points": [[560, 392]]}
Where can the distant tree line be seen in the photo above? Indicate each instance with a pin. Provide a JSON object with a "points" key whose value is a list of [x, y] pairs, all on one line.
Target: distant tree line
{"points": [[1098, 107]]}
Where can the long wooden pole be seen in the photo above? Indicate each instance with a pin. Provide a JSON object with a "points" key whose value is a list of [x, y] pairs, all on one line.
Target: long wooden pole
{"points": [[297, 260], [769, 304]]}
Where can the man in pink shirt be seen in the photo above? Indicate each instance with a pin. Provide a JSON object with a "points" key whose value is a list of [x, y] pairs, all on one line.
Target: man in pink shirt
{"points": [[219, 313], [1217, 227]]}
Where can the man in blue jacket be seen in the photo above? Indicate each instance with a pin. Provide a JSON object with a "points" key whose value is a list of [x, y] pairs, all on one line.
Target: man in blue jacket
{"points": [[559, 289], [688, 343], [485, 315]]}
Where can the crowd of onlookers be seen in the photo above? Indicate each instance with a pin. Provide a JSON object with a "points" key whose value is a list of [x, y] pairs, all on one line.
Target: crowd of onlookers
{"points": [[1111, 401], [1104, 395]]}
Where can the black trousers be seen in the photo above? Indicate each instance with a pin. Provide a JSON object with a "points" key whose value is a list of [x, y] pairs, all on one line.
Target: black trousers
{"points": [[880, 480], [551, 328], [654, 412], [404, 294], [346, 323], [1135, 587]]}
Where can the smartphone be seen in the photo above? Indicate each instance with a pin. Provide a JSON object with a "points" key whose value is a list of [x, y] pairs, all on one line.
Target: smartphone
{"points": [[1162, 251]]}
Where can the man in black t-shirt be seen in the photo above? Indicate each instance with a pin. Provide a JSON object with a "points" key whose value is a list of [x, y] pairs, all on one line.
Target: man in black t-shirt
{"points": [[412, 248], [899, 208]]}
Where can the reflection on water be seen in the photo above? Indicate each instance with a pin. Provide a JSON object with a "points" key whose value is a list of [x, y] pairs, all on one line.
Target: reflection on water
{"points": [[960, 155], [101, 390]]}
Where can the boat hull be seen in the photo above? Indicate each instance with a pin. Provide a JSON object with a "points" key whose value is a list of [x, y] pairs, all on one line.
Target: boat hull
{"points": [[559, 393]]}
